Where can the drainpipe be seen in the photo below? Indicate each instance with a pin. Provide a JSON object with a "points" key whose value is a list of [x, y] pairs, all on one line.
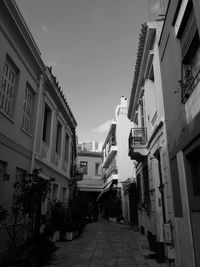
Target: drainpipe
{"points": [[37, 121]]}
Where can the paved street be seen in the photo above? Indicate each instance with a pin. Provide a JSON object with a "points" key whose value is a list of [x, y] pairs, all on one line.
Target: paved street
{"points": [[104, 244]]}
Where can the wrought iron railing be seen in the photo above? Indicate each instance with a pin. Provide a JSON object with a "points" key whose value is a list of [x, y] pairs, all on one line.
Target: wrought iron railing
{"points": [[137, 137], [187, 85], [110, 143]]}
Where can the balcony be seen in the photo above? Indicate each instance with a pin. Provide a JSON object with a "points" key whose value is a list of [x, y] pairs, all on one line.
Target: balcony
{"points": [[77, 172], [110, 171], [137, 144], [110, 179], [109, 153], [188, 84]]}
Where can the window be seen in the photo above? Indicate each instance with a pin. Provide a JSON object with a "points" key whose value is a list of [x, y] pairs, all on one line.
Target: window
{"points": [[84, 165], [3, 167], [142, 112], [176, 189], [66, 147], [58, 138], [19, 175], [46, 124], [194, 161], [55, 192], [190, 49], [8, 87], [65, 194], [27, 109], [146, 194], [97, 169], [139, 189]]}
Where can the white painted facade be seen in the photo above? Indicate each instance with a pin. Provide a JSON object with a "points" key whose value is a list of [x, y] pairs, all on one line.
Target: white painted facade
{"points": [[92, 175], [116, 164], [26, 86], [146, 110]]}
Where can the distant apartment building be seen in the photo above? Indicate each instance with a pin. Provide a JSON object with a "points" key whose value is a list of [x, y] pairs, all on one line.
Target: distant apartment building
{"points": [[117, 166], [89, 165], [179, 55], [37, 126], [148, 146], [89, 146]]}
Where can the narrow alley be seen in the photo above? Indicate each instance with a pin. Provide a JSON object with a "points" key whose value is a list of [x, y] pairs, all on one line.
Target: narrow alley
{"points": [[104, 244]]}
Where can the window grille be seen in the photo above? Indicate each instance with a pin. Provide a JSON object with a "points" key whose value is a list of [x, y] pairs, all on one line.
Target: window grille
{"points": [[8, 87], [27, 109]]}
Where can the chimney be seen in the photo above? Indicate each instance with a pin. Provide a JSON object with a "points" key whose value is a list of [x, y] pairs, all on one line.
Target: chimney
{"points": [[123, 101]]}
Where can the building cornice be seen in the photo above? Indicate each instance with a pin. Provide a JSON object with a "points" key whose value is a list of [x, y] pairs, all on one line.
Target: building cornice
{"points": [[146, 41], [140, 51], [24, 31], [56, 90]]}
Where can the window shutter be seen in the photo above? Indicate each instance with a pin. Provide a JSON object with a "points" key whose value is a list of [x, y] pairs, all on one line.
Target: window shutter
{"points": [[188, 33]]}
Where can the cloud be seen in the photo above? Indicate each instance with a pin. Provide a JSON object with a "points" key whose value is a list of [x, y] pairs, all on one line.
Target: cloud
{"points": [[103, 127], [155, 8], [44, 28]]}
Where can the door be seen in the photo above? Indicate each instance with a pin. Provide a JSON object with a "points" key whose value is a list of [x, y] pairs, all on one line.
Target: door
{"points": [[192, 165]]}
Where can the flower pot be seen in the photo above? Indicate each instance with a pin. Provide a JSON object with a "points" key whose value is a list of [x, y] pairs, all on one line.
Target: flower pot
{"points": [[56, 236], [112, 219], [69, 235]]}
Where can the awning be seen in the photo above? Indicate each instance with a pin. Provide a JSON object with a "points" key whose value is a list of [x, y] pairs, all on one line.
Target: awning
{"points": [[110, 187], [102, 192]]}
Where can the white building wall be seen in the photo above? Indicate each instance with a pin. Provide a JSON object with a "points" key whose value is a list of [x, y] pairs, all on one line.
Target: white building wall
{"points": [[123, 127]]}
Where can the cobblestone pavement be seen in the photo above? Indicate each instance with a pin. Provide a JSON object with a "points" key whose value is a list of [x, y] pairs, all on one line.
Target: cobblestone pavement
{"points": [[104, 244]]}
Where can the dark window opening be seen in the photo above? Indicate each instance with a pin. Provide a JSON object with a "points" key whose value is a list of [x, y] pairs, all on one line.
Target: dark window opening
{"points": [[66, 147], [97, 168], [46, 124], [58, 138], [194, 163], [84, 165]]}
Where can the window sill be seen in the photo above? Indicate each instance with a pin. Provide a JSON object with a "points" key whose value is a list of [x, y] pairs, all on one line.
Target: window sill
{"points": [[7, 117]]}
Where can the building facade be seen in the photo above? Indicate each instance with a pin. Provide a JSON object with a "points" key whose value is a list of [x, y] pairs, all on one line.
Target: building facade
{"points": [[89, 164], [90, 182], [148, 145], [37, 126], [55, 139], [117, 166], [21, 71], [179, 56]]}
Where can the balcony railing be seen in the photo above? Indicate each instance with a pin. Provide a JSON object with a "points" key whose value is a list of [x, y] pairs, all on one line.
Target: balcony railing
{"points": [[109, 151], [188, 84], [137, 144], [112, 170], [77, 172], [112, 142], [137, 137]]}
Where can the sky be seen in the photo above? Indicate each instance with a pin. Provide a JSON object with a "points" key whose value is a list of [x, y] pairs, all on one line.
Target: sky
{"points": [[91, 46]]}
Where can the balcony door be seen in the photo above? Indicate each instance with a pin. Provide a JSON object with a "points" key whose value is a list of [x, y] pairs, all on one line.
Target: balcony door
{"points": [[142, 112], [192, 167]]}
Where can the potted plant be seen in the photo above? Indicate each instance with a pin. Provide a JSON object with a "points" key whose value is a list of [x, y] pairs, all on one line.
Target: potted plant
{"points": [[57, 220], [76, 217]]}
